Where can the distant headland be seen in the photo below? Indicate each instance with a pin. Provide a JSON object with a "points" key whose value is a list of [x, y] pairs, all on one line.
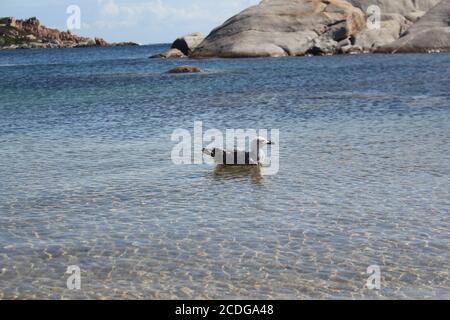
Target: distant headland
{"points": [[30, 33]]}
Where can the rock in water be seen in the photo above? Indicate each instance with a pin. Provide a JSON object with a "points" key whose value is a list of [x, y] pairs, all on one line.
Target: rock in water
{"points": [[185, 69], [171, 53], [277, 28], [182, 47], [431, 33], [188, 43]]}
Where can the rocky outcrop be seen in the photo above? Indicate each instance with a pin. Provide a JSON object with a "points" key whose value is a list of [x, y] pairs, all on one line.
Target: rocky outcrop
{"points": [[185, 69], [431, 33], [188, 43], [169, 54], [277, 28], [30, 33]]}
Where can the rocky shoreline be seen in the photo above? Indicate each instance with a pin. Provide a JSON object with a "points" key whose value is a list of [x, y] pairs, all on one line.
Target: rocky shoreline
{"points": [[280, 28], [30, 33]]}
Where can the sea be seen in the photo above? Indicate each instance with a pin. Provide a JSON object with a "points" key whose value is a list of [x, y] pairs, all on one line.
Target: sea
{"points": [[93, 205]]}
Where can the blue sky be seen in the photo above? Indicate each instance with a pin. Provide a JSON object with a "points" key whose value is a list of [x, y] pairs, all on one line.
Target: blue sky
{"points": [[142, 21]]}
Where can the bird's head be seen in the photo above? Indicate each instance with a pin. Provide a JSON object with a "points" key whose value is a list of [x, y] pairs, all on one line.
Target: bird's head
{"points": [[261, 141]]}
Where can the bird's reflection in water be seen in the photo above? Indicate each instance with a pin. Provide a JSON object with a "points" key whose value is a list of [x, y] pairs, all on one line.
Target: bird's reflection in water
{"points": [[224, 172]]}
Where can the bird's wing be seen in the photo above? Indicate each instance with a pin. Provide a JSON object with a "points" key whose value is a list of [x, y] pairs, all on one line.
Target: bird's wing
{"points": [[235, 157]]}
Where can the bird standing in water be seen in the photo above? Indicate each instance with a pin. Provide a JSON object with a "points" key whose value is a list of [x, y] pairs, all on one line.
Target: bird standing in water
{"points": [[236, 157]]}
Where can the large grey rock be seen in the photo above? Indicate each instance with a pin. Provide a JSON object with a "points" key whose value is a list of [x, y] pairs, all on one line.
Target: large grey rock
{"points": [[391, 27], [411, 9], [278, 28], [397, 16], [430, 33], [188, 43]]}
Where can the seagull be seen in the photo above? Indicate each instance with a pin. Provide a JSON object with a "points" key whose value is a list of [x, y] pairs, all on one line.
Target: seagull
{"points": [[238, 157]]}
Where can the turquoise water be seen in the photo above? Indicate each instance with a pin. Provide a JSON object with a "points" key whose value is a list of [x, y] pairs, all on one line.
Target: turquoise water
{"points": [[86, 177]]}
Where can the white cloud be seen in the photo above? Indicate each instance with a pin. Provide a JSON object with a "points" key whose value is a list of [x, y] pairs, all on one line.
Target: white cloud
{"points": [[108, 8], [162, 18], [164, 10]]}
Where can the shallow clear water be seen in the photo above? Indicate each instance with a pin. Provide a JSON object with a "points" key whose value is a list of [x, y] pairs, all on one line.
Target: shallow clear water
{"points": [[86, 177]]}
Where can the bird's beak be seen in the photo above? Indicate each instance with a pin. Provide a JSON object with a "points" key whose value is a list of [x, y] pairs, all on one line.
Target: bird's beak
{"points": [[270, 142]]}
